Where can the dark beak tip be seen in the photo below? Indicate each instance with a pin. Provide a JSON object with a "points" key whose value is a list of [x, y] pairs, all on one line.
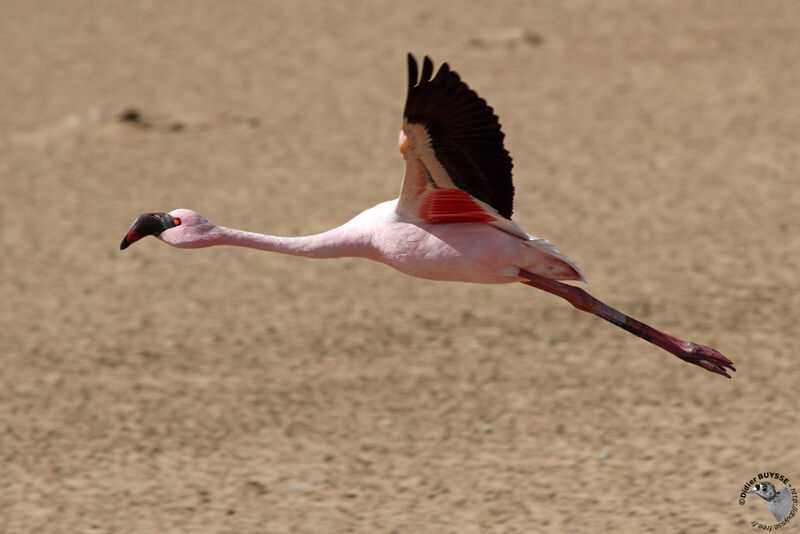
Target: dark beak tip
{"points": [[146, 224]]}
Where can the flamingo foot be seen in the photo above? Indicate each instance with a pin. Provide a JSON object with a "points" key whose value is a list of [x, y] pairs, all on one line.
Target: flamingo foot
{"points": [[705, 357]]}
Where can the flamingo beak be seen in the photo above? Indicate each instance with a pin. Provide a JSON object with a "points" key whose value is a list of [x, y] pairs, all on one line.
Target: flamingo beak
{"points": [[145, 225]]}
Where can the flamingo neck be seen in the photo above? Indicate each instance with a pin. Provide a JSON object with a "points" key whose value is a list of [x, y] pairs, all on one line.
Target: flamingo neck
{"points": [[335, 243]]}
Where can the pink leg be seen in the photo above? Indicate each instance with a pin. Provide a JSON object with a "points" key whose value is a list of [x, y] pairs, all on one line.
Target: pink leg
{"points": [[700, 355]]}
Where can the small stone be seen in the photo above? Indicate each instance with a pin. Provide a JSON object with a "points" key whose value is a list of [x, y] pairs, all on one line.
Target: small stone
{"points": [[130, 115]]}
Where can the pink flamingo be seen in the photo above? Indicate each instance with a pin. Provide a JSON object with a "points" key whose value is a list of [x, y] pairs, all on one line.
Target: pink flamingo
{"points": [[451, 221]]}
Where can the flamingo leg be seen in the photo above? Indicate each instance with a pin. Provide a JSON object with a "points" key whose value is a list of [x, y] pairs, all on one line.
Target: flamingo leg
{"points": [[700, 355]]}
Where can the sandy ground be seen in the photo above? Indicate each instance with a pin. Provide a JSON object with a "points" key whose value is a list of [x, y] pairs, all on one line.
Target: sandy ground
{"points": [[233, 391]]}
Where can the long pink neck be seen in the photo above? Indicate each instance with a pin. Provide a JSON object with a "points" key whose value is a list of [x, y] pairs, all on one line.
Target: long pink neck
{"points": [[335, 243]]}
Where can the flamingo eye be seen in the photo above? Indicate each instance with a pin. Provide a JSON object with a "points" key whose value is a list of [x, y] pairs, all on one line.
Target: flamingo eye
{"points": [[176, 221]]}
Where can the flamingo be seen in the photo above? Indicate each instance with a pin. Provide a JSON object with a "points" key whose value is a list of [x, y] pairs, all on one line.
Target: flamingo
{"points": [[452, 220]]}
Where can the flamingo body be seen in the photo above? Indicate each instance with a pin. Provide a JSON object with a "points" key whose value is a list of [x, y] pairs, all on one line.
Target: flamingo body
{"points": [[456, 252], [452, 220]]}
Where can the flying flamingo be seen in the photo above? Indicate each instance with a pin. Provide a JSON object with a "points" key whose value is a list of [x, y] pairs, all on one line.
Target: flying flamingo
{"points": [[452, 220]]}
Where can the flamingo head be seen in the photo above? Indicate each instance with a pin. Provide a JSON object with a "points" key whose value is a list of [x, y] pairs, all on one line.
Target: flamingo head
{"points": [[180, 228]]}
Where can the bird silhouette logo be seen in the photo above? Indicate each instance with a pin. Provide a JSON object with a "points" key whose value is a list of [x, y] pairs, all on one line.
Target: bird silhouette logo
{"points": [[779, 502], [782, 503]]}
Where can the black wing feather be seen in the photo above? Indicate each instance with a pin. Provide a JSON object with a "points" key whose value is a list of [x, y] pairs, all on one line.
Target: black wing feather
{"points": [[465, 134]]}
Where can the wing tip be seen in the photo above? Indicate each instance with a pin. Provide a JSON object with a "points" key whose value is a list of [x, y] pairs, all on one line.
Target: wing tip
{"points": [[414, 77], [427, 70], [412, 71]]}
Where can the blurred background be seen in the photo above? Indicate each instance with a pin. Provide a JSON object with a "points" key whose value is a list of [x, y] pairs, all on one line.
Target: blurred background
{"points": [[229, 390]]}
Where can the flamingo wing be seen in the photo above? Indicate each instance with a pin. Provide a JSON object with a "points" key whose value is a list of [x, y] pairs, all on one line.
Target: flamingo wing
{"points": [[456, 167]]}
